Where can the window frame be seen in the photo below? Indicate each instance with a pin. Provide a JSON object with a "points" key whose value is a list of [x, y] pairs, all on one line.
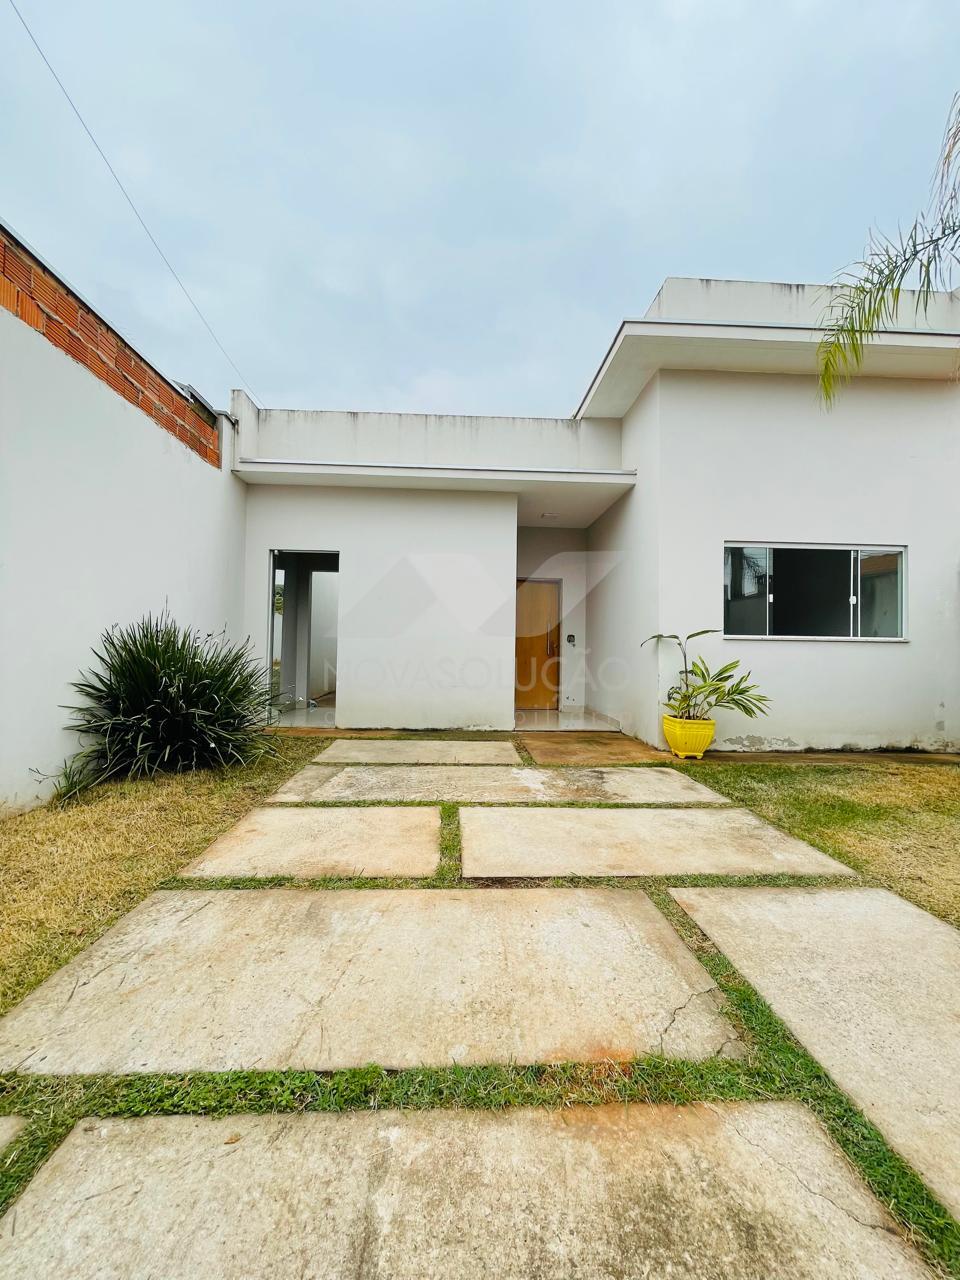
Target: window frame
{"points": [[861, 548]]}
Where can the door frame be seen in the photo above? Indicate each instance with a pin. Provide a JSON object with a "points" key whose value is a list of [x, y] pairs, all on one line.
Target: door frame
{"points": [[558, 583]]}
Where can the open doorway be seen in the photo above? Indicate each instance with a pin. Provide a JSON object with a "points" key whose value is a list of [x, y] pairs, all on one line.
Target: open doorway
{"points": [[304, 601]]}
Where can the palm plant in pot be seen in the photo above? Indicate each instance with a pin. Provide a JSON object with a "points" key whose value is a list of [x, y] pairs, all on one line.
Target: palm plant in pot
{"points": [[689, 727]]}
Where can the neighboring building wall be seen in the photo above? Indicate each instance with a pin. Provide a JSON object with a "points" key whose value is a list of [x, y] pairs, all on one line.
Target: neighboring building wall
{"points": [[104, 517], [427, 598], [562, 554], [623, 582], [32, 293], [757, 459]]}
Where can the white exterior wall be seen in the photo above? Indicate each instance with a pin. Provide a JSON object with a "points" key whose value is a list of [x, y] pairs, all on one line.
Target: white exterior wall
{"points": [[424, 440], [752, 302], [323, 633], [425, 635], [759, 460], [623, 582], [561, 554], [104, 517]]}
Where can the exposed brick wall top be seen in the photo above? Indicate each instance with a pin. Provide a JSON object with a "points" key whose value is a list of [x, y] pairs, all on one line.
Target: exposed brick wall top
{"points": [[42, 301]]}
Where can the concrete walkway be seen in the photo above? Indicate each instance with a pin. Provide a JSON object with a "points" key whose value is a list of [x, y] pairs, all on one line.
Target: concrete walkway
{"points": [[232, 980], [723, 1192], [481, 784], [871, 985], [456, 972]]}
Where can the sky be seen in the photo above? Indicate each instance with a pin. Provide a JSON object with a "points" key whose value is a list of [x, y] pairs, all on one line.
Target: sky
{"points": [[450, 207]]}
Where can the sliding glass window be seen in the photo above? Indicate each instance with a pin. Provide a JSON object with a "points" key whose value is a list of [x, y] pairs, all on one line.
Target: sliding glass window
{"points": [[844, 593]]}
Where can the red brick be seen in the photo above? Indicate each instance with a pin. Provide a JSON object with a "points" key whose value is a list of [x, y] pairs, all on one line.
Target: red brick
{"points": [[8, 294], [77, 347], [67, 309], [130, 392], [88, 327], [200, 426], [163, 418], [57, 332], [44, 291], [17, 269], [29, 312], [107, 344], [113, 379], [165, 396], [138, 373]]}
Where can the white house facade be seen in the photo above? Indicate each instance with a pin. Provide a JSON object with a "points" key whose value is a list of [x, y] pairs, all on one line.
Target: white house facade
{"points": [[423, 571]]}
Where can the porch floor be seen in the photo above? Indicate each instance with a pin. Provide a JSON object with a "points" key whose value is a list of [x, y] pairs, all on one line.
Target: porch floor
{"points": [[321, 716], [324, 716]]}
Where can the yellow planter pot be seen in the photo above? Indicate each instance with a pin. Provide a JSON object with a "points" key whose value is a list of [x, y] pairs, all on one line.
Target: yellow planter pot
{"points": [[688, 737]]}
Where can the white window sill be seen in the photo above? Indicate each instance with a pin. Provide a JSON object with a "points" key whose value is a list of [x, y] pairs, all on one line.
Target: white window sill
{"points": [[829, 639]]}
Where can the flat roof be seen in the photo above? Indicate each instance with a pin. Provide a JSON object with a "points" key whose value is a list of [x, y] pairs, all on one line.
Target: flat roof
{"points": [[643, 347]]}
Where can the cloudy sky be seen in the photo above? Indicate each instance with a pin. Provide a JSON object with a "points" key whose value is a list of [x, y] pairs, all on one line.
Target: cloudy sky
{"points": [[449, 206]]}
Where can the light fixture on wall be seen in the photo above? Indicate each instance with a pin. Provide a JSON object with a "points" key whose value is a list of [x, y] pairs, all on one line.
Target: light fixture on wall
{"points": [[549, 515]]}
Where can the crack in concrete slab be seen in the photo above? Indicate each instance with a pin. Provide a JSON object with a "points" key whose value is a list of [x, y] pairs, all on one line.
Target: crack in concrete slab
{"points": [[819, 1195], [679, 1009]]}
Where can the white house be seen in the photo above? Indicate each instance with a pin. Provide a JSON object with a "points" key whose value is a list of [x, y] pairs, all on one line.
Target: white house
{"points": [[471, 572]]}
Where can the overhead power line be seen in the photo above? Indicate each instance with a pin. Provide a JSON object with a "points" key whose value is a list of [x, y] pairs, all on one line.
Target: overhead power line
{"points": [[126, 195]]}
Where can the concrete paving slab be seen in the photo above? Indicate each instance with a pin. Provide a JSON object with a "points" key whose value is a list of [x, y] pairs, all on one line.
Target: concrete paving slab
{"points": [[632, 842], [870, 985], [303, 784], [10, 1127], [481, 784], [732, 1191], [418, 751], [232, 979], [369, 841]]}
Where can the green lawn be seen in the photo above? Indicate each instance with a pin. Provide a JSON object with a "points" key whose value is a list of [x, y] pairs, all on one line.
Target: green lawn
{"points": [[898, 824], [67, 874]]}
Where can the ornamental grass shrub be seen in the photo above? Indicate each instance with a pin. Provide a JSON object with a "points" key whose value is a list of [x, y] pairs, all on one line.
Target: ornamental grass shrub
{"points": [[165, 699]]}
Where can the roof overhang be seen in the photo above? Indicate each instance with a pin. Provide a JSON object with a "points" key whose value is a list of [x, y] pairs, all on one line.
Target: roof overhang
{"points": [[643, 347], [565, 498]]}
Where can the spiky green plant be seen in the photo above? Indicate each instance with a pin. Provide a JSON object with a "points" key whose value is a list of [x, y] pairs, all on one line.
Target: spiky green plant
{"points": [[700, 691], [166, 699], [923, 259]]}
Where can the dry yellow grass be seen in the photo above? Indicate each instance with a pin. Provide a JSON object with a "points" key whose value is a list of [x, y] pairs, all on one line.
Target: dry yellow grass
{"points": [[897, 823], [67, 874]]}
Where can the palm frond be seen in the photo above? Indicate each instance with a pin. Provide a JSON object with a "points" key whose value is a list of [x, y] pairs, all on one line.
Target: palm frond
{"points": [[868, 295]]}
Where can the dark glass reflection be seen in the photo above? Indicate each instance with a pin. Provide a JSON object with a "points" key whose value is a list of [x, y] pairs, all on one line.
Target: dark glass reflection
{"points": [[811, 591], [745, 591]]}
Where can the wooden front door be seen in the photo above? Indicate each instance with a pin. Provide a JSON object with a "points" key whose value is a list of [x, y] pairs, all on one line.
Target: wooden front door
{"points": [[538, 644]]}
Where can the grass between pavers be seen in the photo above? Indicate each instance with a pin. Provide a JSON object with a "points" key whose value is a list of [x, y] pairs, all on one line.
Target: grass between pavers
{"points": [[67, 874], [448, 877], [897, 823], [776, 1066]]}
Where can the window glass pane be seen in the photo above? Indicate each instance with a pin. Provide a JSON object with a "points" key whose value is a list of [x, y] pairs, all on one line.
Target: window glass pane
{"points": [[881, 593], [811, 592], [745, 591]]}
